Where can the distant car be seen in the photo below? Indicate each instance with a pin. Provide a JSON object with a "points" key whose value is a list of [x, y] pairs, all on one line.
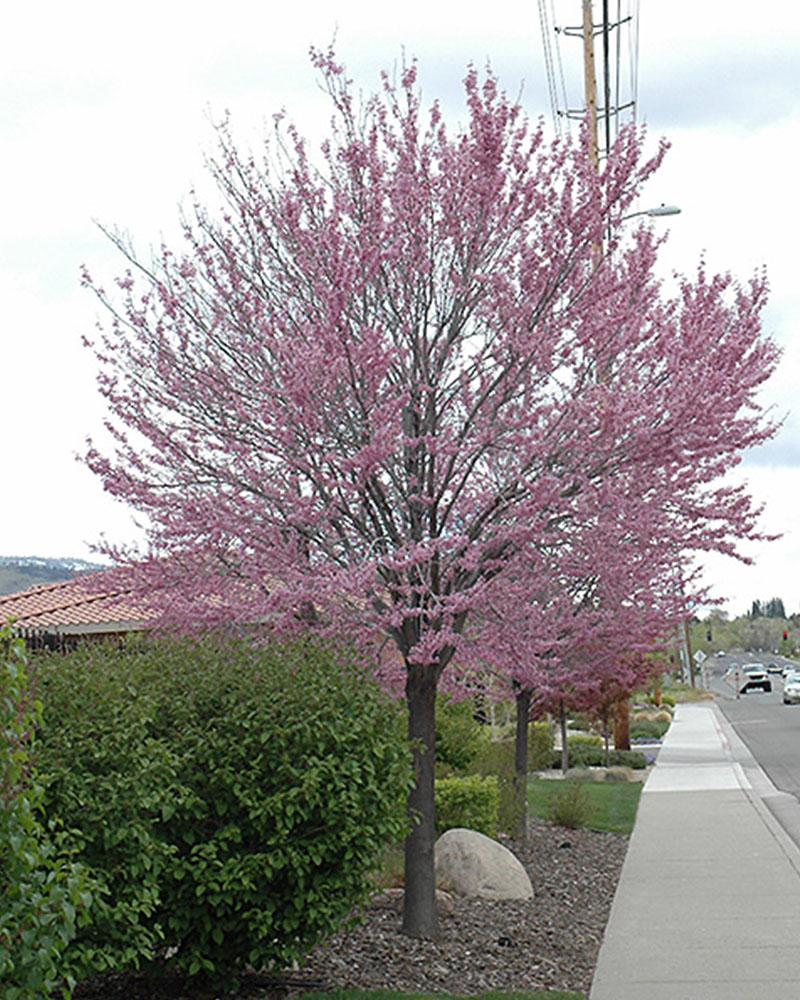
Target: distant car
{"points": [[791, 690], [720, 652], [789, 668], [753, 677], [774, 668]]}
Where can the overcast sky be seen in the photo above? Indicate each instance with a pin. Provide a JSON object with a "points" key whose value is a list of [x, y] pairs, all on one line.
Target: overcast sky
{"points": [[106, 114]]}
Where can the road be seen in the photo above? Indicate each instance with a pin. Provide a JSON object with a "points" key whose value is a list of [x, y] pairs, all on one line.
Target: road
{"points": [[770, 729]]}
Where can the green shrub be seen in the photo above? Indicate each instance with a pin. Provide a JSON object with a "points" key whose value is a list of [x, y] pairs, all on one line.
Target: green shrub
{"points": [[232, 800], [580, 740], [459, 737], [618, 774], [628, 758], [540, 746], [648, 729], [471, 802], [570, 804], [496, 758], [581, 720], [44, 895], [595, 757]]}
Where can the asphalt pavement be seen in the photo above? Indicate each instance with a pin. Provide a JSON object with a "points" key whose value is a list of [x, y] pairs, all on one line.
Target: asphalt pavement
{"points": [[708, 903]]}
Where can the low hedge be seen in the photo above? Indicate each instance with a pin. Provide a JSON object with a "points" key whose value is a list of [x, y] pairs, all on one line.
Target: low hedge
{"points": [[595, 757], [648, 729], [577, 741], [230, 801], [472, 802]]}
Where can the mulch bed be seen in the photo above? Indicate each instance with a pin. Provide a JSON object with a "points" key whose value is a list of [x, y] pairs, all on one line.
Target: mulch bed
{"points": [[549, 942]]}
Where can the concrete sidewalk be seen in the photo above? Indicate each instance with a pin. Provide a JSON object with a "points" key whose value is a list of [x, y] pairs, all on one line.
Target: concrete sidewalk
{"points": [[708, 905]]}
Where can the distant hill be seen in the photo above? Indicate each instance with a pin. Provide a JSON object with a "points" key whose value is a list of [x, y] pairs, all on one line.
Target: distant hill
{"points": [[21, 572]]}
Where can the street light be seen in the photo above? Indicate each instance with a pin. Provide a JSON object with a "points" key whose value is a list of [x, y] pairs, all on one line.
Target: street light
{"points": [[661, 209]]}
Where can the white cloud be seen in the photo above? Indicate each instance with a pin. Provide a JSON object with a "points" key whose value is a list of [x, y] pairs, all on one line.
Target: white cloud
{"points": [[105, 116]]}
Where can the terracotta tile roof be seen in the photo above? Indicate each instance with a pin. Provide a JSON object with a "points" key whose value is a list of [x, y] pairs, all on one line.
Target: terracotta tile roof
{"points": [[74, 607]]}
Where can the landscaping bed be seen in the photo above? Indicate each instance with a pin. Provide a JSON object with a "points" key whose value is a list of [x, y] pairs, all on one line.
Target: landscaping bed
{"points": [[549, 942]]}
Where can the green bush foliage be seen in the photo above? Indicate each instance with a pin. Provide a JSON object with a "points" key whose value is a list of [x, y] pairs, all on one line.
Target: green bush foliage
{"points": [[595, 757], [578, 741], [497, 756], [540, 746], [459, 737], [570, 805], [44, 895], [232, 800], [648, 729], [496, 759], [471, 802], [615, 775]]}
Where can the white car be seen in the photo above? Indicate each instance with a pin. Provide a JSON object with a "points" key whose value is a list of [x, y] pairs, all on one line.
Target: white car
{"points": [[791, 690], [753, 677]]}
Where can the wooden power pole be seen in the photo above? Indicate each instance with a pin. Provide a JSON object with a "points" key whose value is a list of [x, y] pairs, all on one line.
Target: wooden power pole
{"points": [[590, 80]]}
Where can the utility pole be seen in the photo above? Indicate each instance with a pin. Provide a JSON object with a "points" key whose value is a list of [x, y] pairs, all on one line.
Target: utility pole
{"points": [[590, 80], [688, 641]]}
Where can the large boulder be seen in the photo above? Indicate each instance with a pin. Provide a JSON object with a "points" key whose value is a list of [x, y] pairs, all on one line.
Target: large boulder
{"points": [[471, 864]]}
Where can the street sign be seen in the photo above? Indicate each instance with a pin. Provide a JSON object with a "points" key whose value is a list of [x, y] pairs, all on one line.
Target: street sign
{"points": [[699, 656]]}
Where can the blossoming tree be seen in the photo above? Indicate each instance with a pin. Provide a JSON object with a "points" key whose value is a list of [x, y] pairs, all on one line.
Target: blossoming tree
{"points": [[368, 384]]}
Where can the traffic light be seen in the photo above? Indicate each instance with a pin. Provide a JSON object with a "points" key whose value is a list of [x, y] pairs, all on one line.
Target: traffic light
{"points": [[708, 635], [785, 635]]}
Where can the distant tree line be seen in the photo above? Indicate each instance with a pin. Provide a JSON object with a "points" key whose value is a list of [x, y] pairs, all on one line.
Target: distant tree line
{"points": [[765, 627], [773, 608]]}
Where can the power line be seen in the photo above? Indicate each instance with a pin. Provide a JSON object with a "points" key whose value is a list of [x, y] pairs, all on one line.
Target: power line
{"points": [[548, 63], [613, 105]]}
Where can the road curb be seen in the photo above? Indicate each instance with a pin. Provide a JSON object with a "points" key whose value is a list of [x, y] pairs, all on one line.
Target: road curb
{"points": [[766, 789]]}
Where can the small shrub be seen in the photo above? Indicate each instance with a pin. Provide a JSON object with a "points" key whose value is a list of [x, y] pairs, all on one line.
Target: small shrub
{"points": [[580, 740], [646, 729], [570, 805], [496, 758], [581, 720], [595, 757], [618, 774], [628, 758], [471, 802], [652, 715], [584, 774], [540, 745], [459, 737]]}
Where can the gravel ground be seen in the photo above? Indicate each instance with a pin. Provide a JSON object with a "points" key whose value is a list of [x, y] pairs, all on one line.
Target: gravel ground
{"points": [[549, 942]]}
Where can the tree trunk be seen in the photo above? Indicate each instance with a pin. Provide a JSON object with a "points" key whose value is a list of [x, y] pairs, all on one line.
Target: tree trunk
{"points": [[657, 691], [562, 721], [419, 904], [622, 724], [523, 700]]}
